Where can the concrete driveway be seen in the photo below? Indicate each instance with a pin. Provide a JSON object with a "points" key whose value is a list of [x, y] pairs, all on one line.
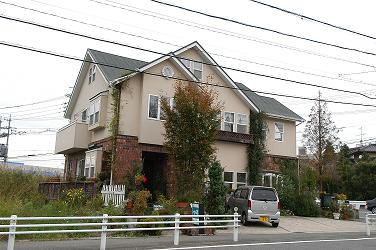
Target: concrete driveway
{"points": [[295, 224]]}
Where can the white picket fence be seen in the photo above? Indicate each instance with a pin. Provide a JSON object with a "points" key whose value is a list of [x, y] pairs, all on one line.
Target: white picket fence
{"points": [[114, 194]]}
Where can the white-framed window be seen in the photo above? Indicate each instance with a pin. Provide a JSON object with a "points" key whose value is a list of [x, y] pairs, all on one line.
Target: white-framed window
{"points": [[93, 111], [228, 178], [92, 72], [154, 107], [241, 179], [195, 67], [229, 118], [278, 133], [90, 160], [84, 115], [265, 129], [241, 123], [80, 168]]}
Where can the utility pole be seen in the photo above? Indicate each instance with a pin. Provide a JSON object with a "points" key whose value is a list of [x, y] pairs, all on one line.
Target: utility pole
{"points": [[361, 136], [320, 144], [7, 143]]}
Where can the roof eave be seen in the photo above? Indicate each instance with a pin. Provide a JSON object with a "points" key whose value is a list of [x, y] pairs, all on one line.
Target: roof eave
{"points": [[285, 117]]}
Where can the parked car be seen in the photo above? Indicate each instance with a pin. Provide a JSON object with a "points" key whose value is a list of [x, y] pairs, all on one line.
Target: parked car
{"points": [[256, 203], [371, 205]]}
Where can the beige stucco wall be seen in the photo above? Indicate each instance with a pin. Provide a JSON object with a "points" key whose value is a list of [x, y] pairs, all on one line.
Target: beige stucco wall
{"points": [[83, 101], [130, 105], [151, 131], [288, 146], [233, 156]]}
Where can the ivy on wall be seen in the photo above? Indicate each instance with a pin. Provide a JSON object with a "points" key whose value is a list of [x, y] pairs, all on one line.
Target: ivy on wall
{"points": [[256, 151], [114, 124]]}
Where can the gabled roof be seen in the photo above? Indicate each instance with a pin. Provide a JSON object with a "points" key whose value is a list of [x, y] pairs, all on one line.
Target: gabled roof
{"points": [[112, 73], [371, 148], [269, 106]]}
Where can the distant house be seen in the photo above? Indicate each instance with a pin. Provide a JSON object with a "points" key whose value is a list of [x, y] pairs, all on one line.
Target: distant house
{"points": [[46, 171], [86, 142], [359, 152]]}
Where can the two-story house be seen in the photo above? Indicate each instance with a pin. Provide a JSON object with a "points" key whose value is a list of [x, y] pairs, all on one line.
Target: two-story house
{"points": [[86, 141]]}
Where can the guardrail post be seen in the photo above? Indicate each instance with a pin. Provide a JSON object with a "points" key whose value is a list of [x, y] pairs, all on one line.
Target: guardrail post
{"points": [[177, 231], [236, 226], [368, 229], [12, 230], [104, 232]]}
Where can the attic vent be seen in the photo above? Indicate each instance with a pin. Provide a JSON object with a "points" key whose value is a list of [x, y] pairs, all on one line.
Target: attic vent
{"points": [[167, 72]]}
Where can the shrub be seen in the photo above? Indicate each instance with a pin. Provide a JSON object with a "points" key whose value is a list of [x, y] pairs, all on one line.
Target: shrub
{"points": [[169, 205], [346, 212], [138, 201], [74, 197], [151, 232], [215, 198], [306, 205]]}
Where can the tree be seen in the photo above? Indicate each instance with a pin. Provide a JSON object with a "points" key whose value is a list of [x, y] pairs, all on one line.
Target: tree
{"points": [[319, 131], [191, 126], [216, 197], [363, 182], [345, 167], [331, 177]]}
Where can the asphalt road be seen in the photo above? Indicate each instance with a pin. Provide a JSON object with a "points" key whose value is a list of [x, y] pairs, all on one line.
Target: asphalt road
{"points": [[221, 241]]}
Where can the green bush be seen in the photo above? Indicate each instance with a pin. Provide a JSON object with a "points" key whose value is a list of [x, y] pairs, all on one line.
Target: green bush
{"points": [[215, 198], [306, 205], [151, 232], [75, 197]]}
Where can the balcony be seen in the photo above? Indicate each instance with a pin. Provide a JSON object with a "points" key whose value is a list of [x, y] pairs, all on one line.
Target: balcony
{"points": [[234, 137], [72, 138]]}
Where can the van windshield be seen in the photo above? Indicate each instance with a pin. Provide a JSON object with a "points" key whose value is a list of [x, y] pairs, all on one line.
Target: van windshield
{"points": [[262, 194]]}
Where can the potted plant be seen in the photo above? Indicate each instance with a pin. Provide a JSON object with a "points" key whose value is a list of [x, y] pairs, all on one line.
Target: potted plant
{"points": [[334, 207]]}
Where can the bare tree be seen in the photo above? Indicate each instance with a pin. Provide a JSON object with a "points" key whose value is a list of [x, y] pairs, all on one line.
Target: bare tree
{"points": [[319, 131]]}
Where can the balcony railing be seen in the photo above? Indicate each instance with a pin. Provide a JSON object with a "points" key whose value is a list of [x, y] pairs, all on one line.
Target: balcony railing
{"points": [[234, 137], [72, 138]]}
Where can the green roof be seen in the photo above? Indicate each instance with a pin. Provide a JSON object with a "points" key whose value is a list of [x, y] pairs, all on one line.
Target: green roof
{"points": [[112, 73], [268, 105]]}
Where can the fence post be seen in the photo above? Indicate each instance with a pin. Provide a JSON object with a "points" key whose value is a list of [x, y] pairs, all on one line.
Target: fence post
{"points": [[368, 229], [104, 232], [236, 228], [12, 230], [176, 231]]}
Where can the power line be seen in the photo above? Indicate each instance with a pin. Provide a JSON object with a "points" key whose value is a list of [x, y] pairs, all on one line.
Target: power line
{"points": [[312, 19], [41, 114], [34, 103], [176, 45], [229, 33], [177, 78], [171, 55], [265, 29], [38, 112], [40, 108]]}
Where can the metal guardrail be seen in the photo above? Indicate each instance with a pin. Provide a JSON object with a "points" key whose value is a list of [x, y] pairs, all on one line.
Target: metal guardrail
{"points": [[370, 219], [233, 222]]}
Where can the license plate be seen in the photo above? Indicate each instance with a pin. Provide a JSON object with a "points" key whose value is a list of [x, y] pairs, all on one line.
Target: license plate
{"points": [[264, 218]]}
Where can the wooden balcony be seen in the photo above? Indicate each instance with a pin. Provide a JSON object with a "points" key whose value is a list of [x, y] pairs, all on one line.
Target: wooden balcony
{"points": [[234, 137]]}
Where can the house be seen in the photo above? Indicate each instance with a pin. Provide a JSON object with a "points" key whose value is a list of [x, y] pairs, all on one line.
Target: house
{"points": [[86, 140], [358, 152]]}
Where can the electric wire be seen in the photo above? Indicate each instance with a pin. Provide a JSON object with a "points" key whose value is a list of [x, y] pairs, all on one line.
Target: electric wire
{"points": [[266, 29], [174, 56], [176, 78], [313, 19], [34, 103], [179, 46]]}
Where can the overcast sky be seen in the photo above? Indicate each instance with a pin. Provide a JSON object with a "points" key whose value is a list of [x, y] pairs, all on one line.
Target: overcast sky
{"points": [[28, 77]]}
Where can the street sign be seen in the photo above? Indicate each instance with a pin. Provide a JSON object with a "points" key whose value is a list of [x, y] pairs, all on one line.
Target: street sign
{"points": [[195, 211]]}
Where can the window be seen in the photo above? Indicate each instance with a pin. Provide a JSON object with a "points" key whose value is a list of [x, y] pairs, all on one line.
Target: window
{"points": [[155, 110], [263, 194], [265, 129], [278, 135], [241, 179], [90, 164], [94, 111], [237, 193], [229, 122], [195, 67], [92, 71], [228, 178], [244, 194], [241, 123], [84, 115], [197, 70], [80, 168]]}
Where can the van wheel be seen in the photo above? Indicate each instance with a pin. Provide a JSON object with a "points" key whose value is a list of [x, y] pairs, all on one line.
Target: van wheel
{"points": [[275, 224], [244, 219]]}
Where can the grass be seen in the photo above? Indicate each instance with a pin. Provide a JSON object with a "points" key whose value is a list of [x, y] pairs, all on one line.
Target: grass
{"points": [[19, 196]]}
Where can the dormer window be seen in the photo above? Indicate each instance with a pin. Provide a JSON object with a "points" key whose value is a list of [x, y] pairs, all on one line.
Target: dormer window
{"points": [[195, 67], [92, 71]]}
